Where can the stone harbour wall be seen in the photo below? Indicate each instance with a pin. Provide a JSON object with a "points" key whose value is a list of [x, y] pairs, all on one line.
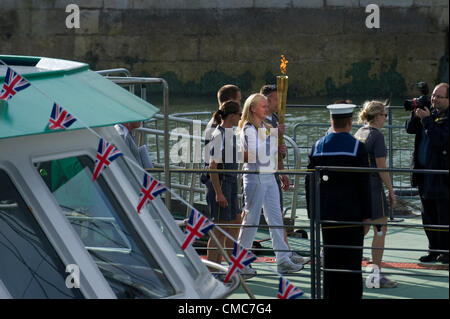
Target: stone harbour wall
{"points": [[199, 45]]}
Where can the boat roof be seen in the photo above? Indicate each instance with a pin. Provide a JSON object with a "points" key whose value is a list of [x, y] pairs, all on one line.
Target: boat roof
{"points": [[91, 98]]}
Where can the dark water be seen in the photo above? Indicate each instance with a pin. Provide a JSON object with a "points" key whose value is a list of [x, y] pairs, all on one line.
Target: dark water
{"points": [[306, 136], [293, 114], [299, 118]]}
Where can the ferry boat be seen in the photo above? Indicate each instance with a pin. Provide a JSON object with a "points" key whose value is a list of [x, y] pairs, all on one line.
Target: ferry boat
{"points": [[63, 235]]}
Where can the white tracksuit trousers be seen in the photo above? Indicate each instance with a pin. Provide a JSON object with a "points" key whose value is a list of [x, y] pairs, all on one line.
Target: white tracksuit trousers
{"points": [[261, 191]]}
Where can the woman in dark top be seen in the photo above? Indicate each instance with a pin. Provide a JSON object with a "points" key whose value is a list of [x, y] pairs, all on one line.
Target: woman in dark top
{"points": [[374, 115], [221, 189]]}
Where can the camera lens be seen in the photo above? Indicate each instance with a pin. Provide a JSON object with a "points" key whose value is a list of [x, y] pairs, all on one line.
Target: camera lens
{"points": [[408, 105]]}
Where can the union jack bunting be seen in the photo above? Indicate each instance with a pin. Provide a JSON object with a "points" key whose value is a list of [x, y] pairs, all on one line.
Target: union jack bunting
{"points": [[240, 258], [59, 118], [150, 190], [286, 290], [13, 84], [198, 225], [106, 153]]}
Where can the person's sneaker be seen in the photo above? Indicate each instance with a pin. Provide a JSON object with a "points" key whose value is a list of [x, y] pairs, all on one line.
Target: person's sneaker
{"points": [[299, 260], [387, 283], [288, 267], [443, 258], [247, 272], [429, 258]]}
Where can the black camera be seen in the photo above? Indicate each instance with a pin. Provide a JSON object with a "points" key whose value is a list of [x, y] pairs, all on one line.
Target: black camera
{"points": [[421, 101]]}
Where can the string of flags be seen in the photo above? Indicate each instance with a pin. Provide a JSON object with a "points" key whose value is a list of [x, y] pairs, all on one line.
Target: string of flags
{"points": [[287, 290], [106, 154], [149, 191], [198, 225], [60, 118], [240, 258]]}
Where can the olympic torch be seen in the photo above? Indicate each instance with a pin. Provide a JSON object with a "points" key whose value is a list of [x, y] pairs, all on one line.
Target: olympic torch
{"points": [[282, 86]]}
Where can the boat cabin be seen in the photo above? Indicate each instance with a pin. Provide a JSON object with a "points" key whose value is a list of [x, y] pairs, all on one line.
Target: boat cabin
{"points": [[63, 235]]}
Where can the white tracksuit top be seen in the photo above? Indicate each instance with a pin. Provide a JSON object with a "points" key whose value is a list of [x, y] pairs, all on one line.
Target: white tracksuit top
{"points": [[262, 148]]}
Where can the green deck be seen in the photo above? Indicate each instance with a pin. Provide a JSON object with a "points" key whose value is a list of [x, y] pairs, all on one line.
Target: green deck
{"points": [[413, 280]]}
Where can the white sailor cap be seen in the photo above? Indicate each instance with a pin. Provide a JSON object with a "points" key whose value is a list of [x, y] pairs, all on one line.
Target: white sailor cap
{"points": [[341, 110]]}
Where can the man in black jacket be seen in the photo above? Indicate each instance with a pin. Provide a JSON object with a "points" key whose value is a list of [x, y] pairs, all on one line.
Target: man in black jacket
{"points": [[431, 128], [344, 196]]}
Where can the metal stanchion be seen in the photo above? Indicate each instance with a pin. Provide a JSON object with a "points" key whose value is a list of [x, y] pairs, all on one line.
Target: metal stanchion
{"points": [[317, 218], [391, 164], [314, 258]]}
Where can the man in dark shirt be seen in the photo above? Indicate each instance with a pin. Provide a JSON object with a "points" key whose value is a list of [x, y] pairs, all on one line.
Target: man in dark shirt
{"points": [[270, 91], [344, 196], [431, 127]]}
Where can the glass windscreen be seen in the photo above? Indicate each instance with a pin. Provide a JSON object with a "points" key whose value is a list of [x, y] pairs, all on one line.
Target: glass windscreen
{"points": [[29, 265], [104, 228], [159, 218]]}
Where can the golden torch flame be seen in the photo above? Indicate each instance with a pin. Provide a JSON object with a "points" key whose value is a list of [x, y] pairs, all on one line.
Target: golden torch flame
{"points": [[282, 86], [283, 65]]}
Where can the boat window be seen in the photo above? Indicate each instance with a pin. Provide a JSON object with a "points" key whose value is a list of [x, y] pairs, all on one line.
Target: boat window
{"points": [[104, 228], [159, 218], [29, 265]]}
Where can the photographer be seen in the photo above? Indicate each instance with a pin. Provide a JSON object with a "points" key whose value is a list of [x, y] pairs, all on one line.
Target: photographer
{"points": [[430, 124]]}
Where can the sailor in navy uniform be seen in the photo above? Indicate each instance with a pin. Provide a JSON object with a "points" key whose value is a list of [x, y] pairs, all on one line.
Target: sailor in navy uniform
{"points": [[344, 196]]}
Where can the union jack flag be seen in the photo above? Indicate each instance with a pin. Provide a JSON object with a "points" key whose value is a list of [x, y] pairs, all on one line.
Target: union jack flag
{"points": [[13, 84], [286, 290], [240, 258], [106, 153], [150, 190], [60, 118], [198, 225]]}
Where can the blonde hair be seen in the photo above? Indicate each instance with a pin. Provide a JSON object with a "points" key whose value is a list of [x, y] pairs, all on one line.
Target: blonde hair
{"points": [[247, 115], [370, 110]]}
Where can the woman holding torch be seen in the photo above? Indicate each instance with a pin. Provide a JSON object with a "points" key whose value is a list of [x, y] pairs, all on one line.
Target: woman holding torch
{"points": [[260, 150]]}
